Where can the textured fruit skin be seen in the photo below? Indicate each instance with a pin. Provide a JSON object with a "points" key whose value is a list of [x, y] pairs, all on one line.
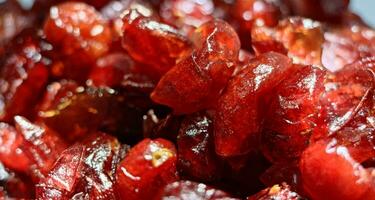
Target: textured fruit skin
{"points": [[80, 35], [186, 190], [292, 115], [175, 12], [239, 113], [196, 82], [140, 31], [146, 169], [23, 74], [85, 170], [330, 172], [280, 192], [195, 147]]}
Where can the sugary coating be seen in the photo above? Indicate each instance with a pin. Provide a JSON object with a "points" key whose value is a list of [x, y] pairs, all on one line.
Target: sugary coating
{"points": [[239, 112], [140, 31], [195, 148], [196, 82], [187, 190], [79, 34], [292, 115], [23, 74], [279, 192], [329, 172], [146, 169], [187, 14]]}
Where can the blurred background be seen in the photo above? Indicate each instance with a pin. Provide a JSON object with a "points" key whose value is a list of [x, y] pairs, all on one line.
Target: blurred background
{"points": [[365, 9]]}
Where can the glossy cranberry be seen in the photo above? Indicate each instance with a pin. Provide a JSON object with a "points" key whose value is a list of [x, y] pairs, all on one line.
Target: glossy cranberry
{"points": [[329, 172], [292, 115], [140, 31], [23, 74], [196, 154], [79, 34], [280, 192], [196, 82], [146, 169], [239, 113], [186, 190]]}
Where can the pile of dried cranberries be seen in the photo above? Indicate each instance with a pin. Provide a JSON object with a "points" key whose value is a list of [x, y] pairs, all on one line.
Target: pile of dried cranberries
{"points": [[186, 100]]}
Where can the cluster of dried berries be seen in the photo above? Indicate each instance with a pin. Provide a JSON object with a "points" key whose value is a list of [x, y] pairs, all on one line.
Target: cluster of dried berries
{"points": [[186, 99]]}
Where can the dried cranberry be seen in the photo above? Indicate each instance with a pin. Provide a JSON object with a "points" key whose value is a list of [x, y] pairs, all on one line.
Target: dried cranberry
{"points": [[196, 82], [146, 169], [239, 112]]}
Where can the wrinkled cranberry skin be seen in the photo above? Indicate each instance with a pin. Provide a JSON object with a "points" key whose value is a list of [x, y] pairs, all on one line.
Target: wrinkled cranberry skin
{"points": [[239, 113], [146, 169], [196, 82], [321, 10], [85, 169], [186, 190], [175, 12], [80, 34], [280, 192], [329, 172], [23, 75], [140, 31], [196, 154], [41, 145], [292, 115]]}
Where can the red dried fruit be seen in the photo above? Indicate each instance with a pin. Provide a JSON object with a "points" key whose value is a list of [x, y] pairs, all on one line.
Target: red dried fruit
{"points": [[196, 82], [246, 13], [187, 190], [140, 31], [15, 185], [329, 172], [345, 93], [80, 35], [148, 167], [321, 10], [345, 45], [11, 153], [41, 145], [239, 112], [292, 115], [196, 154], [187, 14], [279, 192], [23, 74]]}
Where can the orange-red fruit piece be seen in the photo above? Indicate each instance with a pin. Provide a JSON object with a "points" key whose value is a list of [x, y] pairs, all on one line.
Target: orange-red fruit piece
{"points": [[279, 192], [196, 82], [153, 43], [146, 169], [329, 172], [240, 112]]}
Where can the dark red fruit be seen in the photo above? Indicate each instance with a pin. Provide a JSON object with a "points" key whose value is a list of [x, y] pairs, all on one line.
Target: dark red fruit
{"points": [[196, 82], [146, 169], [239, 113], [196, 154], [329, 172], [140, 31], [292, 115], [187, 190], [80, 35], [279, 192], [15, 185], [23, 74]]}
